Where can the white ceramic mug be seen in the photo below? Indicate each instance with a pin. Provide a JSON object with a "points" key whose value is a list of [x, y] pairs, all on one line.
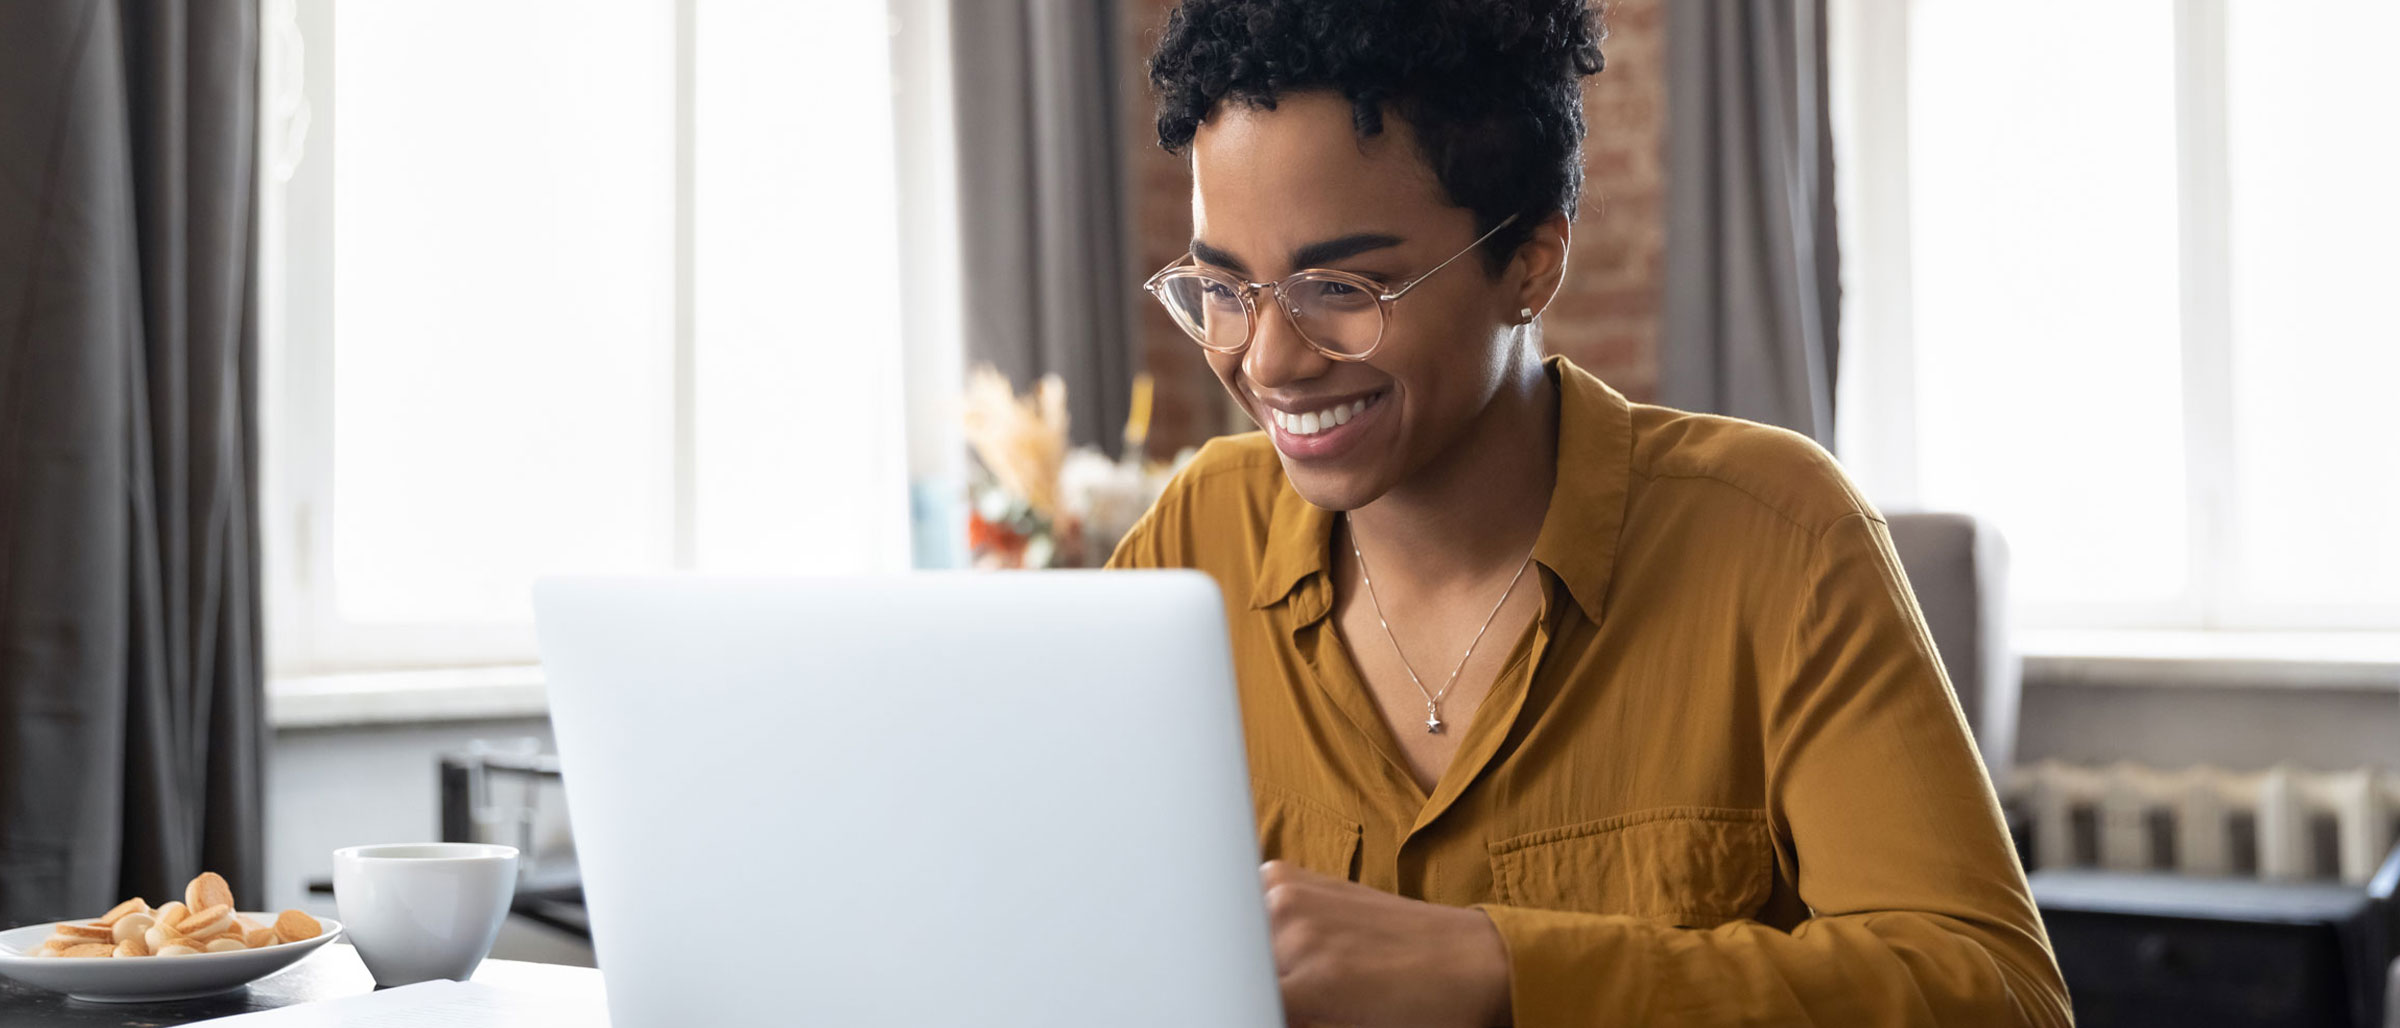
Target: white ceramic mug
{"points": [[421, 911]]}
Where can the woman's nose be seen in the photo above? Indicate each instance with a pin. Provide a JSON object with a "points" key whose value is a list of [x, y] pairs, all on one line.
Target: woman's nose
{"points": [[1278, 354]]}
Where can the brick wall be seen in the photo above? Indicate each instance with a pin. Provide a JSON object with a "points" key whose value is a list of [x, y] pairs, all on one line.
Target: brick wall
{"points": [[1606, 315]]}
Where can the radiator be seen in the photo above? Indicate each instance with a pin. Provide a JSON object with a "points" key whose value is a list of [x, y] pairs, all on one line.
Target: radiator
{"points": [[2283, 823]]}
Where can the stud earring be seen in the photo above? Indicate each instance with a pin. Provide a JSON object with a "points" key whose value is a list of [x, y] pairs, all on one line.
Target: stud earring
{"points": [[1524, 315]]}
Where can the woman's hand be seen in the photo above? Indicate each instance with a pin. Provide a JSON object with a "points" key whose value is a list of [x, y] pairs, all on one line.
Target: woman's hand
{"points": [[1351, 954]]}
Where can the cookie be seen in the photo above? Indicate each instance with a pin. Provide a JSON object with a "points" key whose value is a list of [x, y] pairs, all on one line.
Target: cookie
{"points": [[171, 914], [294, 926], [160, 937], [206, 923], [90, 949], [177, 950], [259, 937], [132, 926], [133, 947], [208, 890], [223, 945], [136, 905], [86, 933]]}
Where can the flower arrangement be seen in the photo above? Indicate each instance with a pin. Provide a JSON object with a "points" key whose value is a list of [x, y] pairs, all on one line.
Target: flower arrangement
{"points": [[1035, 502]]}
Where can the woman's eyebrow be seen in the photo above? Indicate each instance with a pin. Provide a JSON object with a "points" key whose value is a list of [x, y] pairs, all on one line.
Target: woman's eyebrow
{"points": [[1320, 254], [1211, 255], [1313, 255]]}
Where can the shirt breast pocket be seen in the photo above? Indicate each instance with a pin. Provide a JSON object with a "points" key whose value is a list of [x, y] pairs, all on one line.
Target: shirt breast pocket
{"points": [[1692, 867], [1298, 830]]}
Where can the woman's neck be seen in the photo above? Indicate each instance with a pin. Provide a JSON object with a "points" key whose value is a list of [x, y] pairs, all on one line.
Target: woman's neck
{"points": [[1473, 511]]}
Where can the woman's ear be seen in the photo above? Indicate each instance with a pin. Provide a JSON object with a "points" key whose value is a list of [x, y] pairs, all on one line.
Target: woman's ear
{"points": [[1540, 265]]}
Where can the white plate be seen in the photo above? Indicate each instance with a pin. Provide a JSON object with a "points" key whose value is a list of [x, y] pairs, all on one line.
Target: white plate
{"points": [[148, 979]]}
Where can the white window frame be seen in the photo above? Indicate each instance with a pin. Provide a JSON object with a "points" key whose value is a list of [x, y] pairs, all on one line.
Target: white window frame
{"points": [[1877, 404], [306, 634], [307, 639]]}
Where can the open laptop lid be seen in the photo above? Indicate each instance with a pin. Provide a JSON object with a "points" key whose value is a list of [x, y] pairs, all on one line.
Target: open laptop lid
{"points": [[923, 800]]}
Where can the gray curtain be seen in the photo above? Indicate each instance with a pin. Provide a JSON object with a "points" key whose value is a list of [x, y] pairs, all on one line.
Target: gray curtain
{"points": [[131, 716], [1753, 291], [1042, 197]]}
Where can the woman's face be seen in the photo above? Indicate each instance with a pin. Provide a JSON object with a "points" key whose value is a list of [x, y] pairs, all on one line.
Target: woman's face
{"points": [[1277, 191]]}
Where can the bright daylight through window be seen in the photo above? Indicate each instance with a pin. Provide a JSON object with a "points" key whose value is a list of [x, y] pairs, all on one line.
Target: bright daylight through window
{"points": [[2149, 336], [531, 368]]}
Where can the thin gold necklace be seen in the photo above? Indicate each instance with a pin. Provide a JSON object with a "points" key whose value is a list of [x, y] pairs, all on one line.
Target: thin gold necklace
{"points": [[1433, 700]]}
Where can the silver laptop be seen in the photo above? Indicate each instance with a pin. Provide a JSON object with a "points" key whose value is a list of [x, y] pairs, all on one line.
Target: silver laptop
{"points": [[937, 799]]}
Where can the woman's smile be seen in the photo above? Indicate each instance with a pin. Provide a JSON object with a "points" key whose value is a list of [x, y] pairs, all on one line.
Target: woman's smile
{"points": [[1318, 431]]}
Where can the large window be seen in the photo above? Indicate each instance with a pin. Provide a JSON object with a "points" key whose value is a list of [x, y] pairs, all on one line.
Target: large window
{"points": [[608, 292], [2117, 279]]}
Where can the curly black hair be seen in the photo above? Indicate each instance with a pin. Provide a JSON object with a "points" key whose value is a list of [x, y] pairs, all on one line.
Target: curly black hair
{"points": [[1492, 88]]}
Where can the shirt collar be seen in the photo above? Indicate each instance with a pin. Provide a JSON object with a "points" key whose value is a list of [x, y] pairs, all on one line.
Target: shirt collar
{"points": [[1298, 534], [1578, 540], [1594, 477]]}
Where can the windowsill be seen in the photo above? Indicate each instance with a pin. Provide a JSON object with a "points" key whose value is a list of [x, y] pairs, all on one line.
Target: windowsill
{"points": [[406, 697], [2133, 657], [2242, 660]]}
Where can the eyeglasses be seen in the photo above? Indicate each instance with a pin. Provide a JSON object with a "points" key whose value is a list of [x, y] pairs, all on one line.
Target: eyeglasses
{"points": [[1338, 314]]}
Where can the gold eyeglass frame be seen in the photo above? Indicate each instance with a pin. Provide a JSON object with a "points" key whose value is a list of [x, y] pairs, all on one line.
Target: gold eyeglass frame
{"points": [[1249, 291]]}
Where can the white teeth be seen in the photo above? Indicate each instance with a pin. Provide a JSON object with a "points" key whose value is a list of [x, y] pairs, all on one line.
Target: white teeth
{"points": [[1314, 422]]}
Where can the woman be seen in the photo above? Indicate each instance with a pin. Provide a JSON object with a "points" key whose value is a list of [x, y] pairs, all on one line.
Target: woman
{"points": [[1561, 710]]}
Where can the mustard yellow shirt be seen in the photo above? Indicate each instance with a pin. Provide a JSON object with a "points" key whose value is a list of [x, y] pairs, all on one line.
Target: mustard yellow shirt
{"points": [[1723, 778]]}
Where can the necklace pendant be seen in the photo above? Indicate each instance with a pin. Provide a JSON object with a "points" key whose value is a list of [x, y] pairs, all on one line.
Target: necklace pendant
{"points": [[1433, 722]]}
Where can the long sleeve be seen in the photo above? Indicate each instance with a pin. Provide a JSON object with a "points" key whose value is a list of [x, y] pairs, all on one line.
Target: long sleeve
{"points": [[1921, 915]]}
